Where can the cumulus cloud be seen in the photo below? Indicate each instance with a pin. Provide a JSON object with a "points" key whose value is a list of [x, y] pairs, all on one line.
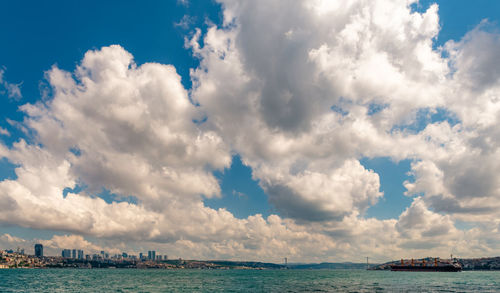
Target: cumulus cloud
{"points": [[330, 83], [7, 240], [59, 242], [301, 92]]}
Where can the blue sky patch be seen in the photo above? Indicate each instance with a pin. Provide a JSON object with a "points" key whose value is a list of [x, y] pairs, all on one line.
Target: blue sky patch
{"points": [[392, 175], [374, 108], [241, 195], [426, 116], [109, 197], [7, 170]]}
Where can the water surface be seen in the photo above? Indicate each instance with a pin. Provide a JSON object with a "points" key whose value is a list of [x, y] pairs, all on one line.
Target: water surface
{"points": [[150, 280]]}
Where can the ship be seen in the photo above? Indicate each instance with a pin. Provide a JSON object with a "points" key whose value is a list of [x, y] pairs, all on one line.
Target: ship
{"points": [[428, 266]]}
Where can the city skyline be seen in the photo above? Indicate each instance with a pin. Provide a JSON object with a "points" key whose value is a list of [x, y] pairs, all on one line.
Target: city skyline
{"points": [[309, 131]]}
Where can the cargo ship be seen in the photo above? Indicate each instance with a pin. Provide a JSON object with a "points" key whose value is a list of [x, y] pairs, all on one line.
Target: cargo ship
{"points": [[428, 266]]}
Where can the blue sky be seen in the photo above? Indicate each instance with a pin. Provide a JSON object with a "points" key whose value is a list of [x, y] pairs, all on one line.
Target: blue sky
{"points": [[39, 35]]}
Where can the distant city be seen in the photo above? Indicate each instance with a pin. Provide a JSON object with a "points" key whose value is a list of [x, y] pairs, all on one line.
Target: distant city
{"points": [[75, 258], [103, 255]]}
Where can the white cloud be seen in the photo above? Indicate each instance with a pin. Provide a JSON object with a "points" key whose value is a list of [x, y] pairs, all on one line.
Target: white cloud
{"points": [[4, 131], [13, 90], [185, 22], [59, 242], [296, 103], [302, 95], [7, 239], [183, 2], [281, 87]]}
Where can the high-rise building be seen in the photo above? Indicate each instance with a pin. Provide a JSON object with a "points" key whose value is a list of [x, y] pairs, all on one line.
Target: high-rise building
{"points": [[66, 253], [141, 256], [73, 255], [124, 255], [152, 255], [38, 250], [80, 254]]}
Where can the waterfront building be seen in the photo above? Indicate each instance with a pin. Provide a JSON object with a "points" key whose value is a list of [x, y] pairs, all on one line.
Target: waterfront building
{"points": [[80, 254], [66, 253], [151, 255], [38, 250], [124, 255], [73, 255]]}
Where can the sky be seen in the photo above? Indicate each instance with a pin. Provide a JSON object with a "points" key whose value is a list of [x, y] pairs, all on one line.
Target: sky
{"points": [[314, 130]]}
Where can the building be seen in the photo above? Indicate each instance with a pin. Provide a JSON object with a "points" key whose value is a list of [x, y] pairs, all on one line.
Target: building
{"points": [[66, 253], [38, 250], [73, 255], [151, 255], [80, 254]]}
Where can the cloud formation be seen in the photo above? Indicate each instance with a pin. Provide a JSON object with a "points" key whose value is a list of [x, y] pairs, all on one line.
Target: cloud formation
{"points": [[12, 90], [301, 92]]}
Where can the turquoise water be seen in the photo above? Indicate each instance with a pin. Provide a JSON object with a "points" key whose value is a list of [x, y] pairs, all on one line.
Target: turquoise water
{"points": [[135, 280]]}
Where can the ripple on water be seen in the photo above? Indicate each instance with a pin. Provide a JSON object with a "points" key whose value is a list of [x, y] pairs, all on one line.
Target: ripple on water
{"points": [[99, 280]]}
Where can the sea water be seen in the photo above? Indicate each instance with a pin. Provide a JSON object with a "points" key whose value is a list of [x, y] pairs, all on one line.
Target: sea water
{"points": [[184, 280]]}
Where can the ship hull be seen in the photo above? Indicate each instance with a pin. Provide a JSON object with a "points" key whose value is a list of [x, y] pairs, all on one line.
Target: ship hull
{"points": [[449, 268]]}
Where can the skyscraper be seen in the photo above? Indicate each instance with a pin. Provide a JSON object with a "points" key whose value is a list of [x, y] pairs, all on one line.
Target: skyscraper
{"points": [[38, 250], [152, 255], [74, 253], [66, 253], [80, 254]]}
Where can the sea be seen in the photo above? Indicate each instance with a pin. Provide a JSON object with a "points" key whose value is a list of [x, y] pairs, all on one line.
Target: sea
{"points": [[186, 280]]}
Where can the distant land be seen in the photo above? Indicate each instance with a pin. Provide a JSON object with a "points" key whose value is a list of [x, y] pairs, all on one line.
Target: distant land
{"points": [[21, 260], [468, 264]]}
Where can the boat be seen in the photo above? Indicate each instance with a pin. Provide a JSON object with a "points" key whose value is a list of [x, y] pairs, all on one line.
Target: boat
{"points": [[428, 266]]}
